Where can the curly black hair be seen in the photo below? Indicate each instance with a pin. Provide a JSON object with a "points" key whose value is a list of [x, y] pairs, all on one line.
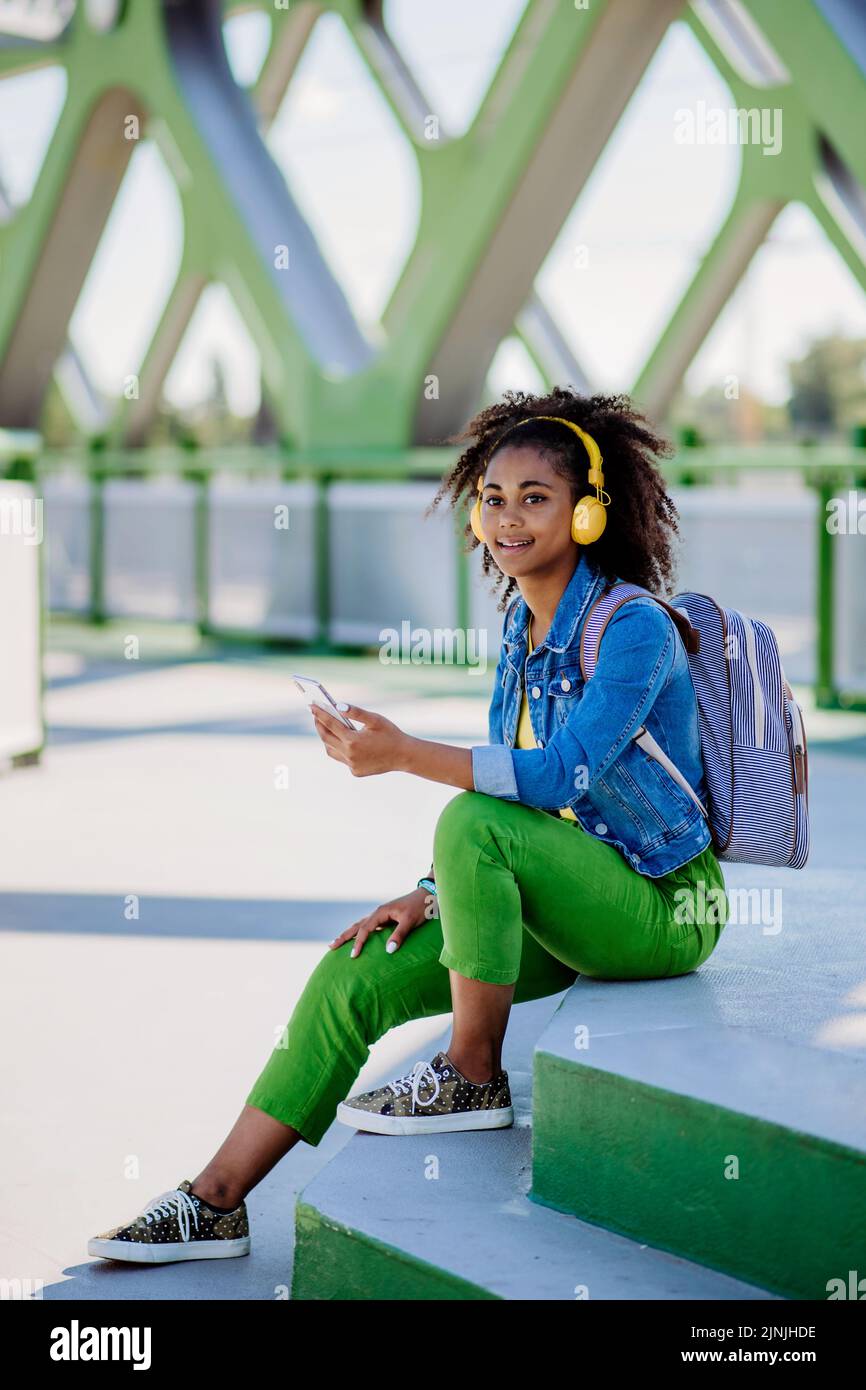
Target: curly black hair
{"points": [[642, 521]]}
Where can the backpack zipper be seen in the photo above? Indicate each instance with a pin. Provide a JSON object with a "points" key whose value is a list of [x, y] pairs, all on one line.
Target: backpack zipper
{"points": [[721, 613]]}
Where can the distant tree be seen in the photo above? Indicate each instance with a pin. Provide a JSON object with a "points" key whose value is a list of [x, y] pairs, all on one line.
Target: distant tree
{"points": [[828, 386], [720, 419], [217, 405], [210, 420], [828, 397], [264, 429]]}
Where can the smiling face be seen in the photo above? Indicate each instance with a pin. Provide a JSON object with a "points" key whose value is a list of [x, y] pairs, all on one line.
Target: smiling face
{"points": [[524, 500]]}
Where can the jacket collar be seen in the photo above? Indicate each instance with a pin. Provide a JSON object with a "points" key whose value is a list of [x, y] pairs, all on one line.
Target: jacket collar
{"points": [[583, 587]]}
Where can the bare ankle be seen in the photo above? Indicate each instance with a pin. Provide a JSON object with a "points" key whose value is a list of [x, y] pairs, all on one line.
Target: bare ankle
{"points": [[476, 1067], [217, 1192]]}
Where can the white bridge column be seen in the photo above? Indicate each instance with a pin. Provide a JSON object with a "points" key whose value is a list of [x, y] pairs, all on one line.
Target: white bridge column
{"points": [[21, 535]]}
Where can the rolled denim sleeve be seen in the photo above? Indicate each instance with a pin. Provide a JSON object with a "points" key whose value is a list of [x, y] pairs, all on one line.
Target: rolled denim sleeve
{"points": [[493, 771], [635, 659]]}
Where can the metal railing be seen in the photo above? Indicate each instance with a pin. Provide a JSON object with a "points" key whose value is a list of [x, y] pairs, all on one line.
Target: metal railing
{"points": [[832, 474]]}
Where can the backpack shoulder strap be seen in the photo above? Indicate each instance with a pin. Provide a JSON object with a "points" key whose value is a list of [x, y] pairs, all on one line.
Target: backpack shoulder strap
{"points": [[601, 612]]}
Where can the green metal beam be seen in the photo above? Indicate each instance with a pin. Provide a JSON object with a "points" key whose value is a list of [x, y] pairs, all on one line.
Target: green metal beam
{"points": [[492, 202], [767, 182]]}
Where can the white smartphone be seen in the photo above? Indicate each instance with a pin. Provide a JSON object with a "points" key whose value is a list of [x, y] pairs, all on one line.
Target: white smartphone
{"points": [[315, 694]]}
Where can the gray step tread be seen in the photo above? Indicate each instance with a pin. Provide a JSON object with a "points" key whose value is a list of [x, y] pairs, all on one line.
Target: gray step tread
{"points": [[476, 1221], [808, 1089]]}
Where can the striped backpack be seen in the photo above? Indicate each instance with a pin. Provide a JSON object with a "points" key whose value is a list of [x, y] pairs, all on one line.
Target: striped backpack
{"points": [[753, 743]]}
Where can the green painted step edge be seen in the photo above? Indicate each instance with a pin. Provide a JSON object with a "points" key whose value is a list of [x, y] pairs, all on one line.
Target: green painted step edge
{"points": [[333, 1261], [614, 1151]]}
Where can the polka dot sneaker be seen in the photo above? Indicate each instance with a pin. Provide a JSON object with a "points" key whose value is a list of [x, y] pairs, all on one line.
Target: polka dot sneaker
{"points": [[433, 1096], [176, 1225]]}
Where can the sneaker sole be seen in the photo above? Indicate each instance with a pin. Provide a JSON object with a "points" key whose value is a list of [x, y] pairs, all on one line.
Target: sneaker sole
{"points": [[137, 1252], [424, 1124]]}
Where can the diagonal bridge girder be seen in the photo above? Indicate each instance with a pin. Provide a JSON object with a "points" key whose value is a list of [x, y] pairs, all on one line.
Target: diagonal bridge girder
{"points": [[493, 201]]}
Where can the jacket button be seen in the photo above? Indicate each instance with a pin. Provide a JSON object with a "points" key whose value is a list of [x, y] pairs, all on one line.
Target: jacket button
{"points": [[565, 683], [601, 828], [535, 692]]}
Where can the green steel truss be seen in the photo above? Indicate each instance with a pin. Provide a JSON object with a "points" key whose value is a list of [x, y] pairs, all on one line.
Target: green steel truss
{"points": [[492, 199]]}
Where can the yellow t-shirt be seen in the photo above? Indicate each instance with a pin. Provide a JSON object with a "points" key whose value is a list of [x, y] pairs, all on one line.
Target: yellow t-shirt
{"points": [[525, 736]]}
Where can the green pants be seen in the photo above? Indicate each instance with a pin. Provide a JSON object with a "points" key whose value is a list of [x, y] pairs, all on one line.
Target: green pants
{"points": [[525, 898]]}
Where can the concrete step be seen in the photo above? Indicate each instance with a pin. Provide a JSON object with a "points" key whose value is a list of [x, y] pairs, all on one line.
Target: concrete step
{"points": [[451, 1216], [741, 1149]]}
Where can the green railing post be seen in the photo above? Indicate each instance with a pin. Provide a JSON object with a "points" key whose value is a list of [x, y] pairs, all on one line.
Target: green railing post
{"points": [[825, 686], [824, 471], [201, 543], [97, 545]]}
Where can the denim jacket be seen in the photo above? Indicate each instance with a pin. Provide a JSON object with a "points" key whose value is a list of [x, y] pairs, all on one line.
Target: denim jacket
{"points": [[586, 758]]}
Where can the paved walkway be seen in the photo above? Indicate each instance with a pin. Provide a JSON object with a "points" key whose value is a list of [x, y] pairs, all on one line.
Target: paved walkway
{"points": [[131, 1041]]}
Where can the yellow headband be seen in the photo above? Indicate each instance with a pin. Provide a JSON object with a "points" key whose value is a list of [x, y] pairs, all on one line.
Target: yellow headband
{"points": [[596, 477], [589, 517]]}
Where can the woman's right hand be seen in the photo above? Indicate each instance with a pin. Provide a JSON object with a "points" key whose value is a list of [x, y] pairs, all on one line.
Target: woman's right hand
{"points": [[408, 912]]}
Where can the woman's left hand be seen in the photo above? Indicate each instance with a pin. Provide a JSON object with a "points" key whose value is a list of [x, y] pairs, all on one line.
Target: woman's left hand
{"points": [[377, 747]]}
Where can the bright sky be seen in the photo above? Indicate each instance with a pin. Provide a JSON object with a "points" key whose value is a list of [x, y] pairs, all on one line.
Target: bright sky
{"points": [[645, 218]]}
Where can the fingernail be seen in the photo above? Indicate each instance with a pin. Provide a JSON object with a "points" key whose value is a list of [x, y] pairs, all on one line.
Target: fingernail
{"points": [[354, 951], [342, 706], [392, 945]]}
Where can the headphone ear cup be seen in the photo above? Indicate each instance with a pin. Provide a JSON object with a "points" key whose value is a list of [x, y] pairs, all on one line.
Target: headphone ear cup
{"points": [[588, 521], [475, 521]]}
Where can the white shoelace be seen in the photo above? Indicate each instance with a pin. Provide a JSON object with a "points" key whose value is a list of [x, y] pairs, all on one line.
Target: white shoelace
{"points": [[173, 1203], [412, 1082]]}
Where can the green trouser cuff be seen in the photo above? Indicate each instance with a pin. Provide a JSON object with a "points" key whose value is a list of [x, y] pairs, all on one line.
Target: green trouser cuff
{"points": [[311, 1125], [476, 972]]}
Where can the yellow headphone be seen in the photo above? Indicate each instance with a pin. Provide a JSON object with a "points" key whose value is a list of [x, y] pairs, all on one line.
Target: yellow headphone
{"points": [[589, 518]]}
